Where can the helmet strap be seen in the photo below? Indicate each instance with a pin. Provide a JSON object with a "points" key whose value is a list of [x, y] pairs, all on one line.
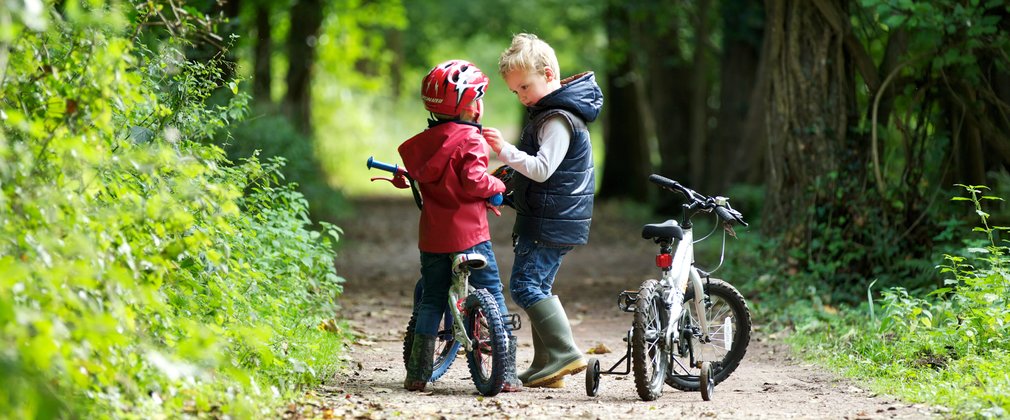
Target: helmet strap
{"points": [[432, 122]]}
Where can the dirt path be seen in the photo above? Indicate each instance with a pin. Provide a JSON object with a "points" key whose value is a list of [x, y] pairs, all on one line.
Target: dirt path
{"points": [[380, 259]]}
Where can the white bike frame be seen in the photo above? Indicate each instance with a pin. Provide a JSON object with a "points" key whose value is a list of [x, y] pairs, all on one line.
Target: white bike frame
{"points": [[675, 282], [461, 265]]}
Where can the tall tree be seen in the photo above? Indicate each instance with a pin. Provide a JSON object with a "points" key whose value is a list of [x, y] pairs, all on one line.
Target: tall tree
{"points": [[699, 93], [669, 90], [738, 141], [810, 107], [263, 53], [306, 19], [626, 165]]}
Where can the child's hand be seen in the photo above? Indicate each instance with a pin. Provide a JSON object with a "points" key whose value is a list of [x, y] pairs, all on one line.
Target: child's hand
{"points": [[493, 137]]}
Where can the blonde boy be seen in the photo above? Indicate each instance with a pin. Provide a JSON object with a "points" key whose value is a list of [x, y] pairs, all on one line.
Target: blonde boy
{"points": [[553, 194]]}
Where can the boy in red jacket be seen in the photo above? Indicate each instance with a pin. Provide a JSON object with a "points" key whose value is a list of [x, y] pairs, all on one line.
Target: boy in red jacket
{"points": [[449, 163]]}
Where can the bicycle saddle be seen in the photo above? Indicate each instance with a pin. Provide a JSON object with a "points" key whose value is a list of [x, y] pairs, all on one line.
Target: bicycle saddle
{"points": [[667, 229], [473, 261]]}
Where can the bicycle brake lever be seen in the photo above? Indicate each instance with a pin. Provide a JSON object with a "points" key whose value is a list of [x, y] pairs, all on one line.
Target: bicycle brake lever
{"points": [[399, 181]]}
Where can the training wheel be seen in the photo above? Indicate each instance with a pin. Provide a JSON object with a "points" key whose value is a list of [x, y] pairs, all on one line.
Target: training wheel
{"points": [[593, 377], [707, 385]]}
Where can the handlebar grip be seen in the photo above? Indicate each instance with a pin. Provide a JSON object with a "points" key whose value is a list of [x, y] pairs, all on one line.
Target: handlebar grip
{"points": [[372, 163], [724, 214], [496, 200], [663, 181], [730, 215]]}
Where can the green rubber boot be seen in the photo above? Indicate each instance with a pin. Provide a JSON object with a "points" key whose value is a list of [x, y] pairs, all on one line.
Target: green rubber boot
{"points": [[539, 360], [563, 357], [539, 356], [422, 352]]}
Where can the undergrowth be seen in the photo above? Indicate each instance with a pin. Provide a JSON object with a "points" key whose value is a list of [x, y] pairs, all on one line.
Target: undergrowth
{"points": [[947, 348], [142, 273]]}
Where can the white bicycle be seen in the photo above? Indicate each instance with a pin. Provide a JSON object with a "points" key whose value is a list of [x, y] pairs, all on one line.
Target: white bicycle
{"points": [[690, 331]]}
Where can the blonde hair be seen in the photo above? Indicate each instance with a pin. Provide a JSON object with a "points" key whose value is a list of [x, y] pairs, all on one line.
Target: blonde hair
{"points": [[528, 53]]}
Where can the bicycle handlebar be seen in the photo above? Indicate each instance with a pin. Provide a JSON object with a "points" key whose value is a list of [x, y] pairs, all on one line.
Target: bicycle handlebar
{"points": [[394, 169], [400, 176], [696, 200]]}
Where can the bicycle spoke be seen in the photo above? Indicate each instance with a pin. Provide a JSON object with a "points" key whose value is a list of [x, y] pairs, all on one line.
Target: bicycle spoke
{"points": [[727, 321]]}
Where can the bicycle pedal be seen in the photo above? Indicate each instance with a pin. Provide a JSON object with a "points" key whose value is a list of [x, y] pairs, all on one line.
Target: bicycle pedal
{"points": [[514, 322], [627, 299]]}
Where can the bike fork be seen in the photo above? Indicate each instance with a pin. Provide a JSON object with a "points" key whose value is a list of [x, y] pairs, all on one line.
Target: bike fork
{"points": [[699, 305], [456, 306]]}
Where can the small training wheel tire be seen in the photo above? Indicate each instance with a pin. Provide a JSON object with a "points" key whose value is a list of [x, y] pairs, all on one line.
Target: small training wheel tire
{"points": [[593, 377], [706, 384]]}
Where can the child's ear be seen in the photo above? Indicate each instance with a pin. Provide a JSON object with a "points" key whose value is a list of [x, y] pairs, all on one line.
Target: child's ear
{"points": [[549, 73]]}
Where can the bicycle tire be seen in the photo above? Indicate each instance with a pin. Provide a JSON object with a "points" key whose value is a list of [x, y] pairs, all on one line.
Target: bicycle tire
{"points": [[446, 346], [485, 328], [726, 303], [647, 350]]}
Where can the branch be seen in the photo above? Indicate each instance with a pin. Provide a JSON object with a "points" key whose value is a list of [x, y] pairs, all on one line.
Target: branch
{"points": [[840, 23], [873, 137]]}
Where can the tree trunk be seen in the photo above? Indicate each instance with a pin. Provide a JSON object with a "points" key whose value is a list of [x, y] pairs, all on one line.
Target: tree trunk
{"points": [[699, 95], [736, 147], [897, 45], [395, 44], [669, 83], [306, 19], [810, 106], [262, 54], [626, 164]]}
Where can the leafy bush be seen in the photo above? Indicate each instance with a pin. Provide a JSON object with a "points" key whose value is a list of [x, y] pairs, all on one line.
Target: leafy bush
{"points": [[949, 347], [974, 310], [143, 273]]}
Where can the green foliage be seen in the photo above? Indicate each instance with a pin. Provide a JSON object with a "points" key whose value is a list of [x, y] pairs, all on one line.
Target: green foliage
{"points": [[858, 236], [957, 32], [949, 347], [273, 135], [143, 272]]}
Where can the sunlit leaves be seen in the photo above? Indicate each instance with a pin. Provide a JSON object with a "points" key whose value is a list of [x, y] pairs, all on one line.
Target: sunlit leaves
{"points": [[128, 245]]}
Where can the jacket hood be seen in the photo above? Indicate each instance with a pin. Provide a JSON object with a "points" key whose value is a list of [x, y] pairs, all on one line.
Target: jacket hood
{"points": [[578, 94], [426, 154]]}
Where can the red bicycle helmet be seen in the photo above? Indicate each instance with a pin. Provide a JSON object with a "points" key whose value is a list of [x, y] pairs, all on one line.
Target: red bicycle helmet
{"points": [[452, 86]]}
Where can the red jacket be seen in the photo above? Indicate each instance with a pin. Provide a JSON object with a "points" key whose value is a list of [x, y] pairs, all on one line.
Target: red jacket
{"points": [[449, 162]]}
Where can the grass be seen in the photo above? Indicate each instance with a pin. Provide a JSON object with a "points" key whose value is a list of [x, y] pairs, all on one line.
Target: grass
{"points": [[973, 386]]}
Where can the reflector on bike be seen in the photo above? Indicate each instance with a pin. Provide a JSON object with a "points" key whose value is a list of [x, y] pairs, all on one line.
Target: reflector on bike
{"points": [[664, 260]]}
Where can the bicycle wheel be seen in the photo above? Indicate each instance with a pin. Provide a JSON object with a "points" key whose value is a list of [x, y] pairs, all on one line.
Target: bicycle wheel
{"points": [[446, 345], [647, 355], [729, 328], [490, 343]]}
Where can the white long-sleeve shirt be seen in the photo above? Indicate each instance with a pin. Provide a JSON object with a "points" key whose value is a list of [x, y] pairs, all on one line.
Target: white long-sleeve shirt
{"points": [[555, 136]]}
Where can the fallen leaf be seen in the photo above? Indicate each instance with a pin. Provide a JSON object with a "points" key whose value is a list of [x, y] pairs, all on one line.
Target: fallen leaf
{"points": [[599, 348]]}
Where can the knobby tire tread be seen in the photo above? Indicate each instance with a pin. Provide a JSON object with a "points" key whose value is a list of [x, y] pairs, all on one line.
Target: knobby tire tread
{"points": [[648, 379], [480, 303]]}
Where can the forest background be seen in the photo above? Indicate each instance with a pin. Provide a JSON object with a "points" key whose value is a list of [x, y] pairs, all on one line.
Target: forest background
{"points": [[168, 169]]}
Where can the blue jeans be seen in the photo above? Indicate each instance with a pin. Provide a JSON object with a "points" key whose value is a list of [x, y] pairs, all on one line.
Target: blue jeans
{"points": [[534, 269], [436, 278]]}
